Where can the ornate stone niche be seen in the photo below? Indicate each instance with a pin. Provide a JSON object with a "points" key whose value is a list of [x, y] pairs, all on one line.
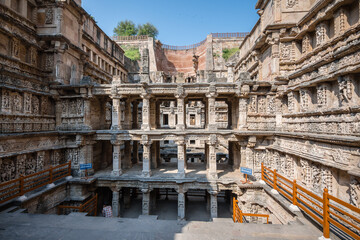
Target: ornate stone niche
{"points": [[305, 100], [345, 84], [322, 95], [306, 44], [321, 33], [253, 104]]}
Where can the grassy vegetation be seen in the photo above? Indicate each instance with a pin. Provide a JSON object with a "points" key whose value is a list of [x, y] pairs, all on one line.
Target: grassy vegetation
{"points": [[228, 52], [132, 52]]}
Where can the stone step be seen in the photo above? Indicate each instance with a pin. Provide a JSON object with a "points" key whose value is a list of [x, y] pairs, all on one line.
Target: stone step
{"points": [[10, 209]]}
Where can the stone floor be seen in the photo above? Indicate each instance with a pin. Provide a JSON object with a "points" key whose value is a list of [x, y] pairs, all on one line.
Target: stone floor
{"points": [[195, 171], [15, 226]]}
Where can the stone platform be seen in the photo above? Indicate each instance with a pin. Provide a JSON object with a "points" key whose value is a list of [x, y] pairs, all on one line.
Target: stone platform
{"points": [[15, 226]]}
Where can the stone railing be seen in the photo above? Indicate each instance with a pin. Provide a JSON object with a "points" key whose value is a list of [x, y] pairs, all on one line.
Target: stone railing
{"points": [[230, 35], [130, 38], [179, 48]]}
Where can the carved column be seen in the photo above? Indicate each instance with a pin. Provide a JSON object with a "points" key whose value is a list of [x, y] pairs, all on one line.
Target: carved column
{"points": [[181, 203], [181, 146], [180, 114], [146, 201], [213, 204], [117, 171], [146, 113], [116, 114], [242, 123], [278, 112], [180, 96], [212, 170], [212, 125], [230, 72], [58, 111], [146, 172], [115, 201]]}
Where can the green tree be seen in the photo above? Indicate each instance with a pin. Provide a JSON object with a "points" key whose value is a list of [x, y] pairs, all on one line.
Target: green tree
{"points": [[148, 29], [125, 28]]}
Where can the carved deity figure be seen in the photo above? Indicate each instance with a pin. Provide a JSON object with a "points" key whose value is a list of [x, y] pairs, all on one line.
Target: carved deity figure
{"points": [[320, 35], [291, 3], [195, 63], [355, 192], [261, 104], [316, 179], [5, 100], [18, 102], [49, 16], [322, 96], [35, 105], [253, 104], [345, 89], [306, 44]]}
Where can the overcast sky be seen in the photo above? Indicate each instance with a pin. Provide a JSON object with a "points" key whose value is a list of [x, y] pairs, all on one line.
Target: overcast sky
{"points": [[179, 23]]}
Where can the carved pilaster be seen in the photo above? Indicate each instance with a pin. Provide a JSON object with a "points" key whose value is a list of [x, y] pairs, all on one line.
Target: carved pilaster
{"points": [[212, 170], [145, 112], [117, 171], [181, 146], [146, 156]]}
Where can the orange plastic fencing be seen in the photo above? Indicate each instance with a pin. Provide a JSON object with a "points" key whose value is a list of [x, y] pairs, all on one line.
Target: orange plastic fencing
{"points": [[238, 215], [20, 186], [90, 207], [326, 210]]}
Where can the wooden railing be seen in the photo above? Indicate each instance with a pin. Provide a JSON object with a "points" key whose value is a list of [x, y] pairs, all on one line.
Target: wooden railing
{"points": [[90, 207], [329, 211], [18, 187], [238, 215]]}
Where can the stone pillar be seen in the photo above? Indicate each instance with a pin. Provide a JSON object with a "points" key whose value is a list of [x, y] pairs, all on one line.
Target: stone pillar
{"points": [[243, 155], [181, 155], [212, 170], [86, 153], [146, 172], [116, 158], [146, 201], [146, 113], [213, 204], [58, 107], [127, 155], [278, 112], [180, 114], [230, 72], [87, 113], [212, 125], [127, 113], [116, 114], [242, 123], [135, 115], [115, 201], [181, 203]]}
